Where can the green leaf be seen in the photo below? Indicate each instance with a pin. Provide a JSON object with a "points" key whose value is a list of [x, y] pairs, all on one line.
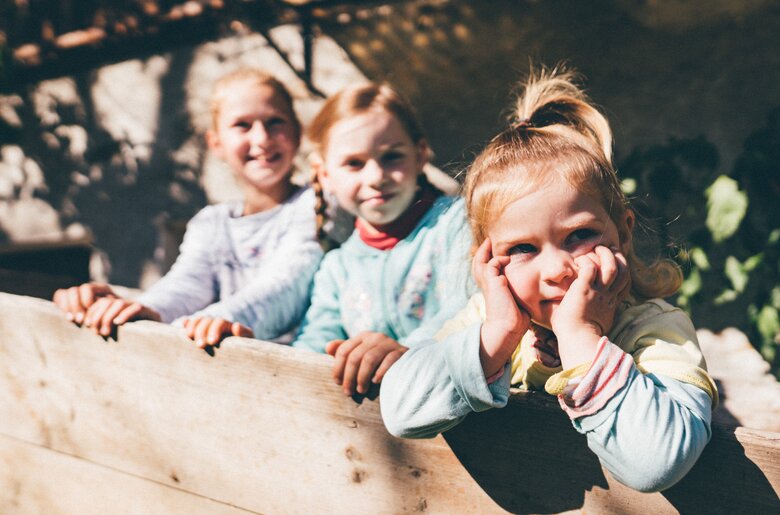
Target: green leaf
{"points": [[628, 185], [699, 258], [752, 262], [768, 325], [691, 285], [725, 296], [726, 207], [774, 297], [736, 273]]}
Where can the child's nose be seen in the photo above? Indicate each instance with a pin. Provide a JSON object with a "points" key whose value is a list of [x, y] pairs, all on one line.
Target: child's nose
{"points": [[557, 266], [257, 134], [375, 173]]}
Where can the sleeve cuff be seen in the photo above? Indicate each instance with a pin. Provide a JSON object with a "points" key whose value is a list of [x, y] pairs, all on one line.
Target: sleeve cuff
{"points": [[462, 358], [585, 389]]}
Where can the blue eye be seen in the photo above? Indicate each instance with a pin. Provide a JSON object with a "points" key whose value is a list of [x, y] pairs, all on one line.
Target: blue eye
{"points": [[523, 248], [354, 164], [393, 156], [582, 235]]}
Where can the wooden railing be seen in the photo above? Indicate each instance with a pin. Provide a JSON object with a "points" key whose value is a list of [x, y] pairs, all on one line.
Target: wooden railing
{"points": [[146, 423]]}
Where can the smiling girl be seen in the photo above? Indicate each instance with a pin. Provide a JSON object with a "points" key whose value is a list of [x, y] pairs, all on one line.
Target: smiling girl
{"points": [[244, 268], [565, 305], [395, 279]]}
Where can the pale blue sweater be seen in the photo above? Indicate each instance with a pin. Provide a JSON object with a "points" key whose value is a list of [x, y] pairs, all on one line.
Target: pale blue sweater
{"points": [[648, 435], [406, 292], [256, 270]]}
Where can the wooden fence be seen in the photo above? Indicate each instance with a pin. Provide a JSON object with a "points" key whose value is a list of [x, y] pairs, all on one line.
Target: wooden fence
{"points": [[147, 423]]}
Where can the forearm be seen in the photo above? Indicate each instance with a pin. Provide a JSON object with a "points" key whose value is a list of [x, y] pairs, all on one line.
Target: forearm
{"points": [[276, 299], [435, 385], [650, 432]]}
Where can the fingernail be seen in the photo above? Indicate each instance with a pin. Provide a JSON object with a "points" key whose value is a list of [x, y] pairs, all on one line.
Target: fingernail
{"points": [[69, 316], [79, 317], [200, 343]]}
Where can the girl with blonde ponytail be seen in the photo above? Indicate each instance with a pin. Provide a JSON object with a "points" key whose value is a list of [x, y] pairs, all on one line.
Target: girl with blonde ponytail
{"points": [[565, 305]]}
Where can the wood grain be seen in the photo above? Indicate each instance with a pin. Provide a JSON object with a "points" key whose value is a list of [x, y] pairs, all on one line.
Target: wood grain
{"points": [[262, 428]]}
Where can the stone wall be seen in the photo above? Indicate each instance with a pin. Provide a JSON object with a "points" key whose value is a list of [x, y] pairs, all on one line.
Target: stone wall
{"points": [[116, 154]]}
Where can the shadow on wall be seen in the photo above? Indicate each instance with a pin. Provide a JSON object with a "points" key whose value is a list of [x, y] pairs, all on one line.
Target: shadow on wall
{"points": [[120, 188]]}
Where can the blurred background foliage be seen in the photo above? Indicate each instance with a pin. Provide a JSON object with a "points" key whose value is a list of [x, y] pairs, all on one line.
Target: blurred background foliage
{"points": [[722, 227]]}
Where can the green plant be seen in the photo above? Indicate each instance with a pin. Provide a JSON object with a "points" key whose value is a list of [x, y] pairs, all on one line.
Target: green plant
{"points": [[723, 229]]}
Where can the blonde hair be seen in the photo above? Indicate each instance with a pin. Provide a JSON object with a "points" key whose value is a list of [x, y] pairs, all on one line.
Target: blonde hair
{"points": [[353, 101], [223, 85], [556, 133]]}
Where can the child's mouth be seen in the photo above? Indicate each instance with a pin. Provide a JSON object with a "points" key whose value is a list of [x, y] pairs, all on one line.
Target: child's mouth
{"points": [[378, 200], [265, 159]]}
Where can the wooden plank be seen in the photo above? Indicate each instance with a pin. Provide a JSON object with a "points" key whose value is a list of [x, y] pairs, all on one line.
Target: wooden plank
{"points": [[541, 465], [257, 425], [261, 427], [34, 479]]}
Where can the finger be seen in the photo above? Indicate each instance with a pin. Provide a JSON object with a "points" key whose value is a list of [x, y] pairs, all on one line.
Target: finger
{"points": [[609, 268], [389, 360], [342, 354], [481, 258], [107, 320], [74, 305], [95, 312], [215, 329], [189, 326], [60, 299], [367, 367], [351, 368], [484, 253], [201, 331], [623, 282], [86, 294], [332, 346], [586, 275], [128, 313], [241, 330], [496, 265]]}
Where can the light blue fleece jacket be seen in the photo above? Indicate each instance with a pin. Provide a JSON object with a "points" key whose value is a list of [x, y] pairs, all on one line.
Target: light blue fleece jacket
{"points": [[648, 435], [256, 269], [406, 292]]}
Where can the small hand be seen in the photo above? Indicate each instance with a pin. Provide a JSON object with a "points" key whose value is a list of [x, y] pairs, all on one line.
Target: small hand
{"points": [[506, 322], [75, 301], [106, 313], [587, 311], [362, 360], [207, 331]]}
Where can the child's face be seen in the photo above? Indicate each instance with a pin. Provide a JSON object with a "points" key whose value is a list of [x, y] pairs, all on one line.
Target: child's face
{"points": [[543, 233], [256, 135], [371, 165]]}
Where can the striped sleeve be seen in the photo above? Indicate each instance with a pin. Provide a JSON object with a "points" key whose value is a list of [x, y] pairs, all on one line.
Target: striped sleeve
{"points": [[585, 389]]}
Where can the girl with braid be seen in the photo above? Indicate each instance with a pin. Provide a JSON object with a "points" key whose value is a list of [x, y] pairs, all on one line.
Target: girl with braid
{"points": [[565, 304], [404, 269], [244, 268]]}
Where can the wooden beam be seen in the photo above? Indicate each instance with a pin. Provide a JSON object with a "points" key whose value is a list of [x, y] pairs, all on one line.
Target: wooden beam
{"points": [[35, 479], [261, 427]]}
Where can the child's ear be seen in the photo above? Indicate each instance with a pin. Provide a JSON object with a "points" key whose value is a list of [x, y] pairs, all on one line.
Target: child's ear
{"points": [[626, 232], [423, 153], [213, 142], [318, 168]]}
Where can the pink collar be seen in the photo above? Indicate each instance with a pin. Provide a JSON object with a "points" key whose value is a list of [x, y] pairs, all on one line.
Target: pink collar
{"points": [[386, 237]]}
